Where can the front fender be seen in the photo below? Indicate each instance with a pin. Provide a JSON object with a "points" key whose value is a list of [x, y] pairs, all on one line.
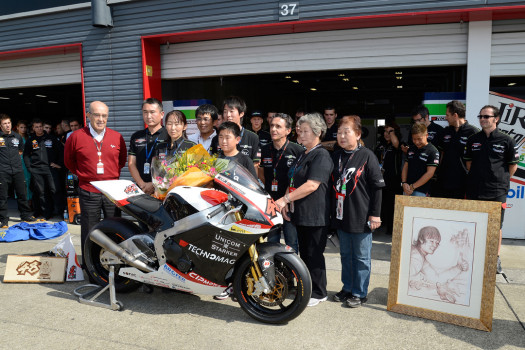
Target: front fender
{"points": [[266, 252]]}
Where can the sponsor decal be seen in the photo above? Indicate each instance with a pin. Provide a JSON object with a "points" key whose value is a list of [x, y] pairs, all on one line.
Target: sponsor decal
{"points": [[210, 256], [201, 280], [171, 271], [498, 148], [289, 160], [15, 142], [252, 224], [2, 142], [113, 146], [183, 243], [288, 248], [48, 143], [131, 189], [35, 145], [271, 208], [238, 229], [139, 141], [225, 245], [519, 192], [266, 264]]}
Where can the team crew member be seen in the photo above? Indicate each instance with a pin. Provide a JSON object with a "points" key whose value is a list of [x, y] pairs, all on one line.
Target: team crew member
{"points": [[330, 138], [205, 115], [420, 166], [452, 175], [12, 172], [257, 121], [421, 115], [233, 111], [95, 153], [276, 159], [307, 200], [356, 198], [42, 151], [176, 144], [143, 144], [492, 159]]}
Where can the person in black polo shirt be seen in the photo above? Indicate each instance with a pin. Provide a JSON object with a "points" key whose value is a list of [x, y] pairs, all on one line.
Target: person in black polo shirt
{"points": [[276, 159], [176, 143], [233, 110], [491, 158], [12, 172], [420, 166], [330, 138], [143, 144], [452, 174], [257, 122]]}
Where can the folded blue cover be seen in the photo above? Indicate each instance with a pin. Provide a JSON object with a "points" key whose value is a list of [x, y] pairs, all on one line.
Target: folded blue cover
{"points": [[41, 230]]}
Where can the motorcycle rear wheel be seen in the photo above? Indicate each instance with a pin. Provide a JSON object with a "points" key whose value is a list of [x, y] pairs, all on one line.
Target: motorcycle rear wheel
{"points": [[118, 230], [288, 299]]}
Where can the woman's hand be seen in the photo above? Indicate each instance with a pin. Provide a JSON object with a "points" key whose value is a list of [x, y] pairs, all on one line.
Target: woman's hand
{"points": [[375, 222]]}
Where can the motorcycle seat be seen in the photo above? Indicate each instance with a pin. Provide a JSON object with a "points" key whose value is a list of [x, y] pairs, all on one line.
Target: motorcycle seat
{"points": [[146, 202]]}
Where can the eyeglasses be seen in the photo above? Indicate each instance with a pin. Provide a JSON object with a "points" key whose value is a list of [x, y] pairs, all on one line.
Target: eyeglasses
{"points": [[418, 120], [485, 116]]}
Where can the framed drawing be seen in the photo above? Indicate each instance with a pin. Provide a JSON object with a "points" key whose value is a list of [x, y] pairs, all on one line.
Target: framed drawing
{"points": [[443, 263]]}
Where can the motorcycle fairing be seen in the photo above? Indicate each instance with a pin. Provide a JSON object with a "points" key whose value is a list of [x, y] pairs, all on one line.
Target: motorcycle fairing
{"points": [[118, 191], [168, 276]]}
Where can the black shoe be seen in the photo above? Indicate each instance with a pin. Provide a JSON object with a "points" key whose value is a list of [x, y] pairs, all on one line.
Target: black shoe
{"points": [[29, 218], [354, 301], [342, 296], [4, 224], [499, 269]]}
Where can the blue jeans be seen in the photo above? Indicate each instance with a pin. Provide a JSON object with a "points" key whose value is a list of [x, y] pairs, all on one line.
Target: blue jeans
{"points": [[418, 194], [290, 235], [356, 261]]}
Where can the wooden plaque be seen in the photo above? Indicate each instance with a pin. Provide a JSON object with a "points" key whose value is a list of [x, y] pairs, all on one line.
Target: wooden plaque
{"points": [[39, 269]]}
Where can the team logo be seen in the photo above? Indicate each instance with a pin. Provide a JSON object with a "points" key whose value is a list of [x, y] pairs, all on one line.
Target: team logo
{"points": [[35, 145], [15, 142], [2, 142], [48, 143], [271, 208], [131, 189]]}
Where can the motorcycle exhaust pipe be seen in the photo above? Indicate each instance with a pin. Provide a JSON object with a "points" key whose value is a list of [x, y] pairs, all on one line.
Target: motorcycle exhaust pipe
{"points": [[105, 242]]}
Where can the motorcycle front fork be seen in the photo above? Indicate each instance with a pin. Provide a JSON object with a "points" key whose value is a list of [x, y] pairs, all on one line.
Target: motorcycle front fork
{"points": [[256, 270]]}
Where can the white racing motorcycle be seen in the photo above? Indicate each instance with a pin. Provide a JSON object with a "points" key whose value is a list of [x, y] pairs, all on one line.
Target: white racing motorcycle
{"points": [[201, 240]]}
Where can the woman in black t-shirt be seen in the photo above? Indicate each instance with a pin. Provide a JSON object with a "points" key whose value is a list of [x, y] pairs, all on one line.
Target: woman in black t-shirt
{"points": [[306, 201], [356, 198], [177, 143]]}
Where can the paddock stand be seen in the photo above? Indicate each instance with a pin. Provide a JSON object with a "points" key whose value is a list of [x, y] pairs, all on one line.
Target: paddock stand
{"points": [[96, 290]]}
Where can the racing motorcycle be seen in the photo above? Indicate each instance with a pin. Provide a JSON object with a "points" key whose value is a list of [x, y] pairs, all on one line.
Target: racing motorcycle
{"points": [[201, 240]]}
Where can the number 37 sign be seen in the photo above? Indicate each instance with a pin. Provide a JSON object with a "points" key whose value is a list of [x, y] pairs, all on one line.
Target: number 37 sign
{"points": [[288, 10]]}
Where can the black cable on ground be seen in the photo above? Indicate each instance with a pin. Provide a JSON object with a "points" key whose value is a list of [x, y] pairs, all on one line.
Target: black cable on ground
{"points": [[510, 307]]}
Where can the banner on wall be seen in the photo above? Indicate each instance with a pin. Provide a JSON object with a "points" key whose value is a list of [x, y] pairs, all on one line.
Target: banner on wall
{"points": [[436, 102], [187, 107], [512, 123]]}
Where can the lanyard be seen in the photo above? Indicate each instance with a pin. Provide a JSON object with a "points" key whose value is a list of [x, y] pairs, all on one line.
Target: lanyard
{"points": [[276, 164], [297, 163], [99, 149], [343, 178], [148, 154]]}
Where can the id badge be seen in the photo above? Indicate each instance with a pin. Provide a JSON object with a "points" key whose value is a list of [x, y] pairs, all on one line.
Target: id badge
{"points": [[274, 185], [100, 168], [292, 207], [339, 209], [146, 168]]}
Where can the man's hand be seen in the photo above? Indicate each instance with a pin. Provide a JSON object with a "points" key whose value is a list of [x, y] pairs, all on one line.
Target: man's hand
{"points": [[56, 166], [148, 188]]}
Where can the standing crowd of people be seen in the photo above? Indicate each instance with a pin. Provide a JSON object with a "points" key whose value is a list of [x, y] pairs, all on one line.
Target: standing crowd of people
{"points": [[315, 167]]}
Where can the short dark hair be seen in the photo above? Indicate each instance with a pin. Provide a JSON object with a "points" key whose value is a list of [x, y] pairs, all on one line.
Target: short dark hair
{"points": [[232, 127], [47, 122], [36, 121], [235, 102], [207, 109], [75, 120], [422, 110], [329, 108], [153, 101], [495, 109], [63, 120], [456, 107], [4, 116], [288, 121]]}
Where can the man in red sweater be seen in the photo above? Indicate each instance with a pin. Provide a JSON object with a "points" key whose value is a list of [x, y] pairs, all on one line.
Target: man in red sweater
{"points": [[95, 153]]}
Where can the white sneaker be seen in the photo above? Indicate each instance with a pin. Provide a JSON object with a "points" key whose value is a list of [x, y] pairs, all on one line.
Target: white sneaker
{"points": [[315, 301], [224, 295]]}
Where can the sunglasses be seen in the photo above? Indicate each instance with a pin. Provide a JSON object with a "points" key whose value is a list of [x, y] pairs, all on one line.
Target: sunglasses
{"points": [[485, 116]]}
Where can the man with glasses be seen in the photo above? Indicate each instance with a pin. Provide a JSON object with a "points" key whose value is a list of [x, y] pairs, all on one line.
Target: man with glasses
{"points": [[205, 115], [491, 159], [421, 115], [452, 175], [143, 144], [95, 153]]}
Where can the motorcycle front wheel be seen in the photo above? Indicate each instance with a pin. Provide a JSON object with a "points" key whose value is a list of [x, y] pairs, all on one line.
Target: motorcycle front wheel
{"points": [[288, 299], [118, 230]]}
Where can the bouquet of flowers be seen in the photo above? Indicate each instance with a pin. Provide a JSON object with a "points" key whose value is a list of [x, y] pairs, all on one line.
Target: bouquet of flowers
{"points": [[193, 168]]}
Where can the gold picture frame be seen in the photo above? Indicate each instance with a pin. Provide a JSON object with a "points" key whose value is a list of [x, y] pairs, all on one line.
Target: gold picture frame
{"points": [[454, 284]]}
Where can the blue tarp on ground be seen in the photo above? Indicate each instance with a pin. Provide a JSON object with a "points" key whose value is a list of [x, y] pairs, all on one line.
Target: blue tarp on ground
{"points": [[41, 230]]}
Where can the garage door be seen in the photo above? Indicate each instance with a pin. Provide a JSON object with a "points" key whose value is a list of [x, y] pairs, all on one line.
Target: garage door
{"points": [[401, 46], [508, 48], [39, 71]]}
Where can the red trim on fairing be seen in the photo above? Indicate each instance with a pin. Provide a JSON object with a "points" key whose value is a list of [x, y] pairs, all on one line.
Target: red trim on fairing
{"points": [[249, 201], [251, 224], [214, 197], [122, 202]]}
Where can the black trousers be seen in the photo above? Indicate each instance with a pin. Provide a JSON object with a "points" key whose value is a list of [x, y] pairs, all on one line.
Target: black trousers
{"points": [[388, 206], [91, 203], [19, 182], [312, 242], [59, 198], [44, 188]]}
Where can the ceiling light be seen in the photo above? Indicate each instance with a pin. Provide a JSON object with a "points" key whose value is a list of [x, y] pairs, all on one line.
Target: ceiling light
{"points": [[511, 84], [399, 78], [400, 86], [20, 93], [341, 75], [355, 87], [346, 79], [288, 77], [398, 73], [40, 95], [295, 81], [313, 89], [5, 98], [52, 102]]}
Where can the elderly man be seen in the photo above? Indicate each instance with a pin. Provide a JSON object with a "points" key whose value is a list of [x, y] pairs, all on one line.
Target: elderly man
{"points": [[95, 153]]}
